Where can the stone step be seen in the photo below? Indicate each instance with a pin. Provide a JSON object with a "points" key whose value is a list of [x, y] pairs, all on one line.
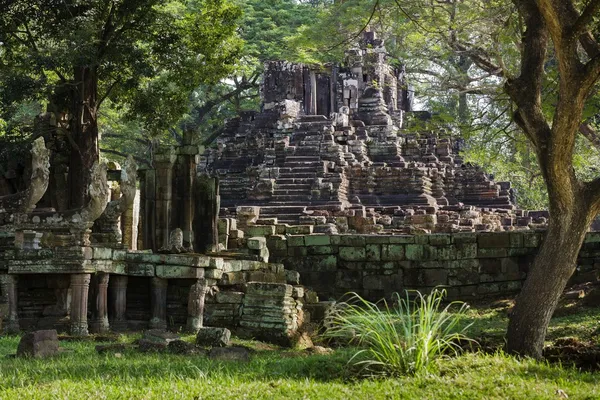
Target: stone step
{"points": [[298, 168], [302, 158], [300, 191], [292, 198], [307, 150], [285, 175], [294, 181], [282, 209], [289, 186]]}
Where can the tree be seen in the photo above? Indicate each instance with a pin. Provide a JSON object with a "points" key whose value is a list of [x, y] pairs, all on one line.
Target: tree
{"points": [[566, 27], [144, 53]]}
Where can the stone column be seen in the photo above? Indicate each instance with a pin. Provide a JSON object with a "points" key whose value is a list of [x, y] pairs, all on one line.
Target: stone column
{"points": [[99, 292], [9, 293], [196, 305], [80, 285], [158, 303], [207, 202], [117, 292], [164, 162]]}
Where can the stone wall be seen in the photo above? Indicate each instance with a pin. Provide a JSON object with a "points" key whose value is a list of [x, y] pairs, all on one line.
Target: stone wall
{"points": [[375, 266]]}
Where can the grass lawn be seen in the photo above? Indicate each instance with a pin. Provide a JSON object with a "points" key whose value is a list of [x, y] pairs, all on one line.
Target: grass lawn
{"points": [[81, 373]]}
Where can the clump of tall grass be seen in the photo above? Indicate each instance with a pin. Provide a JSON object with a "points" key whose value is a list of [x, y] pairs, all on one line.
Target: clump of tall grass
{"points": [[400, 339]]}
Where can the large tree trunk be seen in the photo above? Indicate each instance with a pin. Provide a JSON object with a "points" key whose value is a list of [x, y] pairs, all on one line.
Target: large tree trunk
{"points": [[546, 279], [84, 130]]}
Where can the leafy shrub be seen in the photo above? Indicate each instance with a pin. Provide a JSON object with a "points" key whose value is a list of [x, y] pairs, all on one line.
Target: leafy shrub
{"points": [[400, 339]]}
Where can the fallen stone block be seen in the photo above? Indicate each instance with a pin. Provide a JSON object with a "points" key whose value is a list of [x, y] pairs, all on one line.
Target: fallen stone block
{"points": [[39, 344], [160, 336], [149, 346], [213, 337], [182, 347]]}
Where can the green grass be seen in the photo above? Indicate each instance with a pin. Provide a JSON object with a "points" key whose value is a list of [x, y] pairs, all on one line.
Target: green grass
{"points": [[80, 373], [399, 339]]}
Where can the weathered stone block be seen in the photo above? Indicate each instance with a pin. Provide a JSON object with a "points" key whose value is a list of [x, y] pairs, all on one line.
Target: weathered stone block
{"points": [[377, 239], [352, 253], [182, 347], [160, 336], [269, 289], [465, 250], [465, 237], [492, 252], [292, 277], [440, 239], [229, 297], [373, 252], [213, 337], [352, 240], [297, 252], [392, 252], [317, 250], [444, 253], [260, 230], [300, 230], [317, 240], [402, 239], [516, 239], [324, 263], [414, 252], [257, 243], [295, 241], [422, 239], [277, 242], [375, 282], [494, 240], [39, 344], [435, 277], [103, 253]]}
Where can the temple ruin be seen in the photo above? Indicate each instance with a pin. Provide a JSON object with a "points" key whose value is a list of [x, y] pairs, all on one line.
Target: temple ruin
{"points": [[336, 141], [328, 189]]}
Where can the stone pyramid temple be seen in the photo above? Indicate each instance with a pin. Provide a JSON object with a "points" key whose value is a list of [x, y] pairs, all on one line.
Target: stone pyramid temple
{"points": [[332, 141]]}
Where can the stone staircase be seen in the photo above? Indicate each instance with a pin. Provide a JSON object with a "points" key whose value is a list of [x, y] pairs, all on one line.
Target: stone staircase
{"points": [[301, 171]]}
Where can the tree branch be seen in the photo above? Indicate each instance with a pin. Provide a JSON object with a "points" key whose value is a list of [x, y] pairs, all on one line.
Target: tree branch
{"points": [[586, 17]]}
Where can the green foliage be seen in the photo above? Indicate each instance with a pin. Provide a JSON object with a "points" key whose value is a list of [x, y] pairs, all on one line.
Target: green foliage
{"points": [[148, 54], [401, 339]]}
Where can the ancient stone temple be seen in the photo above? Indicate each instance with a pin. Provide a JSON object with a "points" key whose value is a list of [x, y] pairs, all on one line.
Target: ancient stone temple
{"points": [[137, 258], [333, 142]]}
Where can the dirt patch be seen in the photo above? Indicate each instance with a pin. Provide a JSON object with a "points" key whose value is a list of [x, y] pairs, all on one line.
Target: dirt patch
{"points": [[573, 352]]}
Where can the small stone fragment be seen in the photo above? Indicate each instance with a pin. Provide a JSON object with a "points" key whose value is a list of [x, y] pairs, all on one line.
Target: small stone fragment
{"points": [[39, 344]]}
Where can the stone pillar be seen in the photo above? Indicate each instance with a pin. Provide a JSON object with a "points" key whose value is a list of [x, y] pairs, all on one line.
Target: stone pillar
{"points": [[158, 303], [99, 292], [206, 217], [164, 162], [117, 292], [9, 293], [129, 220], [80, 284], [188, 162], [196, 305]]}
